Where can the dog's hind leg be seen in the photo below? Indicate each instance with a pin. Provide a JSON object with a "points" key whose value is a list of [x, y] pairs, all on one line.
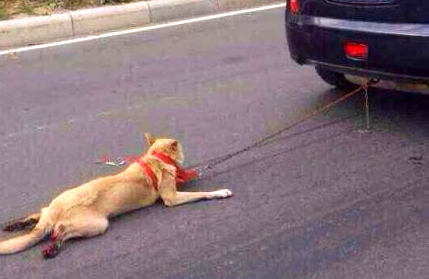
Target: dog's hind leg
{"points": [[24, 223], [84, 224]]}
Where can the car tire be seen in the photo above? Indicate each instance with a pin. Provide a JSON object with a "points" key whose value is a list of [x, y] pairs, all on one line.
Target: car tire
{"points": [[333, 78]]}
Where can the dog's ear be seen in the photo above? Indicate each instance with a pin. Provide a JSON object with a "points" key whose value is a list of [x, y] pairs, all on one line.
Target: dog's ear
{"points": [[149, 139]]}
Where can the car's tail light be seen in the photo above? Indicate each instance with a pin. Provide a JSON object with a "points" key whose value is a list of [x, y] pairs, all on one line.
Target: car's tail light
{"points": [[356, 50], [294, 6]]}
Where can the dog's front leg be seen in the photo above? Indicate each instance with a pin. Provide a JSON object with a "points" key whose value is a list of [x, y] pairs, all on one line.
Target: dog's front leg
{"points": [[185, 197], [172, 197]]}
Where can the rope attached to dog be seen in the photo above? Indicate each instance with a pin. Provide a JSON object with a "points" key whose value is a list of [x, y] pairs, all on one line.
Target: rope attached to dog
{"points": [[203, 168]]}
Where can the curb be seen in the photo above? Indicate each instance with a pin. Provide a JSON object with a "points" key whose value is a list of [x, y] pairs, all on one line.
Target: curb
{"points": [[43, 29], [228, 5], [167, 10], [35, 30], [90, 21]]}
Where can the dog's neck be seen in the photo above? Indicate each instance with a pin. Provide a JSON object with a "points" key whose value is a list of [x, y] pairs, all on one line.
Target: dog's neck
{"points": [[182, 175], [164, 158]]}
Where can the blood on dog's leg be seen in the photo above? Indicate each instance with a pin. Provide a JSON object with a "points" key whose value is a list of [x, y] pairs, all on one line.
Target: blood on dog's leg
{"points": [[84, 224], [52, 249]]}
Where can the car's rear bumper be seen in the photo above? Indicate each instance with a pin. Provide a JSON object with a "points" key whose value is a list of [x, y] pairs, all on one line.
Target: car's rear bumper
{"points": [[396, 51]]}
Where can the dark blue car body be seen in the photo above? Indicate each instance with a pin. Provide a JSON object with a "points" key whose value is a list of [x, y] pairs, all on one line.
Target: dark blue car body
{"points": [[396, 33]]}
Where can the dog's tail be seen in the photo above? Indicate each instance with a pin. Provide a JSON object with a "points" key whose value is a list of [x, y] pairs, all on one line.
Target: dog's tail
{"points": [[20, 243]]}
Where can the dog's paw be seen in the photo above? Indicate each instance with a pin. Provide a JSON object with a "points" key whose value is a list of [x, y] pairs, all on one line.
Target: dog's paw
{"points": [[224, 193]]}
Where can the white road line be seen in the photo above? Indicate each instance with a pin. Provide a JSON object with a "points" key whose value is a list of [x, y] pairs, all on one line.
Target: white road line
{"points": [[141, 29]]}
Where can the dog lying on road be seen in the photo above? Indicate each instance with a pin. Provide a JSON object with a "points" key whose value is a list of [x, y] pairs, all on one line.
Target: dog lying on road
{"points": [[84, 211]]}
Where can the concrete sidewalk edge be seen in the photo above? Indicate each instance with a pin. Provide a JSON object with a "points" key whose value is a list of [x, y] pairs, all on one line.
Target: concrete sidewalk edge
{"points": [[44, 29]]}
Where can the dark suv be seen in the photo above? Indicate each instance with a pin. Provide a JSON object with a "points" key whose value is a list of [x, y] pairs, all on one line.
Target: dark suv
{"points": [[387, 39]]}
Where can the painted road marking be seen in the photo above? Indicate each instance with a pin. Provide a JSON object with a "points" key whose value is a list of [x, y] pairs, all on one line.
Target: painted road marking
{"points": [[141, 29]]}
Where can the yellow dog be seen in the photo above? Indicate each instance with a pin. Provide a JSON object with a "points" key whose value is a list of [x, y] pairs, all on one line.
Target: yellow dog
{"points": [[84, 211]]}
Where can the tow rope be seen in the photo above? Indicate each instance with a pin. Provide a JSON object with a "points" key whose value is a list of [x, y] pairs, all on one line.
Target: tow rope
{"points": [[201, 169]]}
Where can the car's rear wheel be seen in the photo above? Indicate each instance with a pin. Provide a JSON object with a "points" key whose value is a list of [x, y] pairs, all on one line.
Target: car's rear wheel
{"points": [[333, 78]]}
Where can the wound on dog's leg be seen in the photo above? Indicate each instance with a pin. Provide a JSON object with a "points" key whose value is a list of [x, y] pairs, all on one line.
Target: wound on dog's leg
{"points": [[52, 249]]}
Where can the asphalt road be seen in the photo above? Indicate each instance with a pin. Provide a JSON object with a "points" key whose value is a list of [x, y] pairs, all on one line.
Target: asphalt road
{"points": [[322, 201]]}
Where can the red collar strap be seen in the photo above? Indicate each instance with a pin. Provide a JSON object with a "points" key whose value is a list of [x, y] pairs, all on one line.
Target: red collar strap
{"points": [[164, 158], [182, 175], [149, 172]]}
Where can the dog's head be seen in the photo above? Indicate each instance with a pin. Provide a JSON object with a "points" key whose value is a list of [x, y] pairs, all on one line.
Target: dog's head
{"points": [[170, 147]]}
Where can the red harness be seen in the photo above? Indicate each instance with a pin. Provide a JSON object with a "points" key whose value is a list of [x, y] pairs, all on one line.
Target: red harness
{"points": [[182, 175]]}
